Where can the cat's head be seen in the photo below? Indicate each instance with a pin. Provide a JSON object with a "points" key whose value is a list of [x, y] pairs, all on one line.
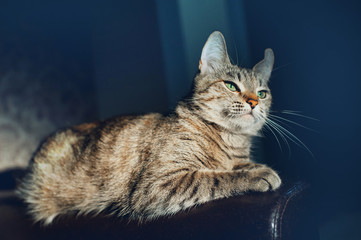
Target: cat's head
{"points": [[235, 98]]}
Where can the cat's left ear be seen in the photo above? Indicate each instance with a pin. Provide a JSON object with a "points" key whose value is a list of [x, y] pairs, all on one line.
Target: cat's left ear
{"points": [[214, 54], [264, 67]]}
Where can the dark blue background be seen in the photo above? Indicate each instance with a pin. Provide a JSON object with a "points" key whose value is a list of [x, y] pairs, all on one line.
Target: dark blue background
{"points": [[131, 49]]}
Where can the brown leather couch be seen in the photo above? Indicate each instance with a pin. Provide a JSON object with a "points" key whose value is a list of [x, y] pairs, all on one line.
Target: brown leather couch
{"points": [[287, 213]]}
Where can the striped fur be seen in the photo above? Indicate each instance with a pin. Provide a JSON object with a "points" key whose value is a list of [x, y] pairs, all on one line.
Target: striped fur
{"points": [[153, 165]]}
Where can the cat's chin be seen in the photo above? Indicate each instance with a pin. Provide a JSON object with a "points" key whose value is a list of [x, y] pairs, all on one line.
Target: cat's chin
{"points": [[240, 125], [248, 117], [248, 124]]}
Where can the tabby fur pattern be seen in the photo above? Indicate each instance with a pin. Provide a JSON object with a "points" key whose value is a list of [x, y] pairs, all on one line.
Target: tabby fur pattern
{"points": [[153, 165]]}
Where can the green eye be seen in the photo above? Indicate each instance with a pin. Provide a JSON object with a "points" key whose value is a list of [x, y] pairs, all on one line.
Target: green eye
{"points": [[261, 94], [231, 86]]}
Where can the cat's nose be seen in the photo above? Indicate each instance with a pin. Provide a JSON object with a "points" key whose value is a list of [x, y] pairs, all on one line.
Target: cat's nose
{"points": [[251, 98], [252, 102]]}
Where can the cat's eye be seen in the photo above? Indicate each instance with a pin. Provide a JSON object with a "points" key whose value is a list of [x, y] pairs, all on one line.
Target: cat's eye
{"points": [[231, 86], [262, 94]]}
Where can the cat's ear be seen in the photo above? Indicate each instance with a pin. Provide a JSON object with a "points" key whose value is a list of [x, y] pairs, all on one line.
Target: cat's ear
{"points": [[264, 67], [214, 54]]}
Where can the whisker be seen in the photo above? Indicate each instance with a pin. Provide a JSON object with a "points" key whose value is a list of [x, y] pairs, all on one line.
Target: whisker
{"points": [[292, 137], [285, 110], [271, 116], [279, 131], [290, 121], [299, 115], [282, 132], [282, 66], [269, 128]]}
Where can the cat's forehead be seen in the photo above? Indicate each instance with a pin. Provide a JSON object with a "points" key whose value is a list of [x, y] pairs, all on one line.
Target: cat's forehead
{"points": [[244, 77]]}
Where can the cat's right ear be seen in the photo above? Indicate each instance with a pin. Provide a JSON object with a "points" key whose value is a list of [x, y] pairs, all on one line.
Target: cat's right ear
{"points": [[214, 54]]}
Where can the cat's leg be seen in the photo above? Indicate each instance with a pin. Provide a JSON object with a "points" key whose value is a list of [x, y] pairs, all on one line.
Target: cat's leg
{"points": [[179, 190]]}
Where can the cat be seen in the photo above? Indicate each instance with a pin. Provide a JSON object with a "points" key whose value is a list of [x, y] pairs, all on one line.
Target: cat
{"points": [[153, 165]]}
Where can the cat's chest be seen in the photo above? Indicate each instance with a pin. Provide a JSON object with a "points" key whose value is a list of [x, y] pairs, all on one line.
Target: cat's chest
{"points": [[236, 142], [228, 151], [238, 148]]}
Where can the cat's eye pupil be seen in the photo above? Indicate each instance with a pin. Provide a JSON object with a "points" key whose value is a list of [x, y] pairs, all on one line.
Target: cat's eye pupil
{"points": [[261, 94], [231, 86]]}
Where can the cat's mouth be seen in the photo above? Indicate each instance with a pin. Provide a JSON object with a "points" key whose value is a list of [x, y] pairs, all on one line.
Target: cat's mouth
{"points": [[251, 117], [245, 116], [248, 116]]}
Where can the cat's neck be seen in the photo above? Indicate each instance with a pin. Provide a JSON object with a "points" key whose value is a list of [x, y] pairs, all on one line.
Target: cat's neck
{"points": [[236, 140], [232, 138]]}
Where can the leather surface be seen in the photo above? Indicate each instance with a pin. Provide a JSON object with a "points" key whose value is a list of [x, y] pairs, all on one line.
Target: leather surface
{"points": [[283, 214]]}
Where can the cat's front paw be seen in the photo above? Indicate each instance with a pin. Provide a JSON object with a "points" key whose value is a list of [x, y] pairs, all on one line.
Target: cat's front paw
{"points": [[266, 180]]}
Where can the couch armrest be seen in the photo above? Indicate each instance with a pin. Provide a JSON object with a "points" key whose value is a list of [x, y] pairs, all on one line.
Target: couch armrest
{"points": [[283, 214]]}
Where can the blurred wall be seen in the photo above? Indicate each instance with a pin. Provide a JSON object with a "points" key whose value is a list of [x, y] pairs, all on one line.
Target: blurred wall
{"points": [[46, 74], [128, 64], [317, 64], [184, 28]]}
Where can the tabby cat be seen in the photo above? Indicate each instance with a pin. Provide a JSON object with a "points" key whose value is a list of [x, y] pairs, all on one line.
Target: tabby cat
{"points": [[153, 165]]}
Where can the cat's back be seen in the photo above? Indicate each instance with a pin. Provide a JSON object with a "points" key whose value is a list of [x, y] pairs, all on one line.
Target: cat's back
{"points": [[116, 141], [86, 157]]}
